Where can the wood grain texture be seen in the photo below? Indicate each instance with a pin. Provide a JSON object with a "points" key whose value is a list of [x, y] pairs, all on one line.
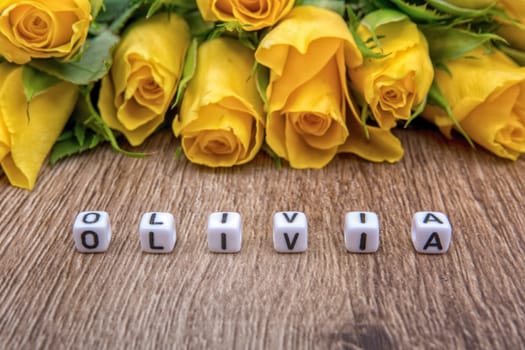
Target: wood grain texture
{"points": [[472, 297]]}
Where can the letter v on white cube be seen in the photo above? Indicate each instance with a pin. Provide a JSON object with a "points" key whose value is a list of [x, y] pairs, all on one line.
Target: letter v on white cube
{"points": [[290, 232]]}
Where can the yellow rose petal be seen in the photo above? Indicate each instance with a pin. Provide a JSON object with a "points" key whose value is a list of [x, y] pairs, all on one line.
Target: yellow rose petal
{"points": [[42, 29], [220, 119], [251, 14], [315, 121], [299, 68], [491, 111], [225, 118], [30, 139], [307, 92], [296, 50], [394, 85], [206, 10], [216, 148], [380, 146], [502, 131], [5, 140], [143, 80], [303, 155], [394, 100], [466, 89], [303, 27]]}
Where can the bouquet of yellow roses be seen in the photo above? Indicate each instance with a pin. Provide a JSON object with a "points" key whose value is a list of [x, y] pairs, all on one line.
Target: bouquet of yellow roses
{"points": [[301, 80]]}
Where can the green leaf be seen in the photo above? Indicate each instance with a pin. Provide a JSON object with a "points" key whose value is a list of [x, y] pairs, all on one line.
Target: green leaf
{"points": [[446, 7], [262, 79], [334, 5], [419, 12], [86, 114], [178, 152], [112, 9], [249, 39], [80, 133], [120, 22], [93, 64], [97, 123], [76, 138], [62, 149], [443, 67], [447, 43], [362, 7], [364, 117], [94, 141], [379, 3], [198, 26], [68, 147], [36, 82], [96, 6], [379, 18], [516, 55], [276, 159], [66, 134], [436, 97], [353, 24], [190, 66], [154, 7], [173, 5], [419, 109]]}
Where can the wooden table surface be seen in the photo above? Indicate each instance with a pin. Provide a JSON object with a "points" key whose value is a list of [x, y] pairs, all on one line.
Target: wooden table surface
{"points": [[472, 297]]}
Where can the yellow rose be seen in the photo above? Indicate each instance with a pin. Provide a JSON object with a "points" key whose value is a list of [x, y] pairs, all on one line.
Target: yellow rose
{"points": [[392, 86], [307, 93], [514, 32], [143, 80], [220, 118], [26, 139], [42, 28], [251, 14], [487, 97]]}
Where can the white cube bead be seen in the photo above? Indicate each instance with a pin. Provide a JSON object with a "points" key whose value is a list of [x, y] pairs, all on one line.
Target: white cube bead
{"points": [[224, 232], [361, 232], [157, 232], [431, 232], [92, 231], [290, 232]]}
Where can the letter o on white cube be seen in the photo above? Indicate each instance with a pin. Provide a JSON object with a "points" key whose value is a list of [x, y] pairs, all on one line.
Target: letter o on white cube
{"points": [[92, 231], [431, 232], [157, 232]]}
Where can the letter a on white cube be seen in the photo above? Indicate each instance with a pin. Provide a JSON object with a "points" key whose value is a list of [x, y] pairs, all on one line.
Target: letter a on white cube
{"points": [[361, 232], [92, 232], [224, 232], [431, 232], [157, 232], [290, 232]]}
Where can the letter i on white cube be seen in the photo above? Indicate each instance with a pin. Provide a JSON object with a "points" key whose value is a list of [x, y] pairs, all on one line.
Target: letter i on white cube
{"points": [[431, 232], [224, 232], [92, 231], [290, 232], [361, 232], [157, 232]]}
